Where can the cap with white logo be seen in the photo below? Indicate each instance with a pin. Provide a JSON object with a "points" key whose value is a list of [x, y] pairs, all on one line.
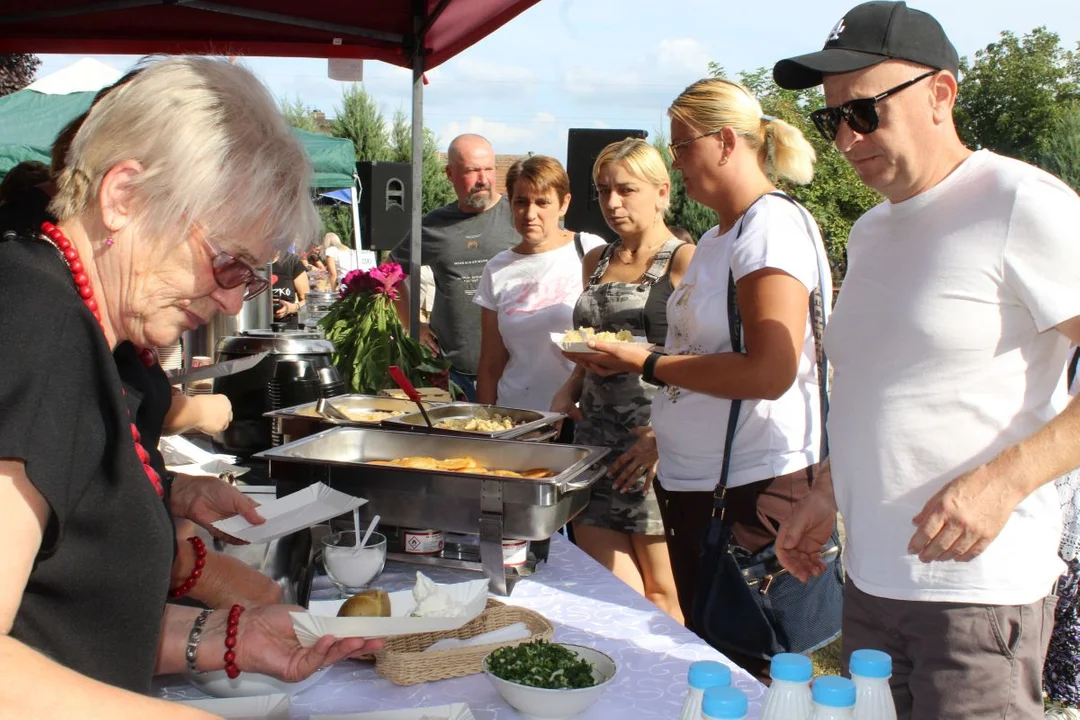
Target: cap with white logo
{"points": [[867, 35]]}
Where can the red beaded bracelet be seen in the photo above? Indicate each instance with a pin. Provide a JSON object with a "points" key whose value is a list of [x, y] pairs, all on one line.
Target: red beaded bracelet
{"points": [[196, 572], [231, 629]]}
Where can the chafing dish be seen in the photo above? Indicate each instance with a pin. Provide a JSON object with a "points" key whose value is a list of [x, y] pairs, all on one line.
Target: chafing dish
{"points": [[492, 506], [525, 421], [300, 421]]}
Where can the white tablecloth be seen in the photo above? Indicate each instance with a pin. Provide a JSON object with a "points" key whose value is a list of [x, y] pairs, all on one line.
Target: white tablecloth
{"points": [[586, 604]]}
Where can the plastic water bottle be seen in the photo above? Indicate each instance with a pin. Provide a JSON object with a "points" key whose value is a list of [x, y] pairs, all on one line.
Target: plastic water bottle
{"points": [[724, 703], [789, 696], [704, 674], [870, 671], [834, 698]]}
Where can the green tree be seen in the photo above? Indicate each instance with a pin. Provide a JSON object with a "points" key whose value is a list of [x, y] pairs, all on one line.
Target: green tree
{"points": [[684, 212], [17, 70], [436, 190], [1062, 154], [337, 218], [360, 120], [300, 116], [1015, 92]]}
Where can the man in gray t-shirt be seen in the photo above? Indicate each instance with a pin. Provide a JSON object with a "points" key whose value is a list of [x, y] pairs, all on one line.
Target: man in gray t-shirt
{"points": [[457, 242]]}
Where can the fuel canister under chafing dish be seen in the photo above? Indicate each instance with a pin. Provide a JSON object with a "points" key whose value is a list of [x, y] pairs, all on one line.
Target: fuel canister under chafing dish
{"points": [[422, 542]]}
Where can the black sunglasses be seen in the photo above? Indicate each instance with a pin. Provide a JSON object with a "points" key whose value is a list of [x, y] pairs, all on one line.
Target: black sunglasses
{"points": [[861, 114], [231, 272]]}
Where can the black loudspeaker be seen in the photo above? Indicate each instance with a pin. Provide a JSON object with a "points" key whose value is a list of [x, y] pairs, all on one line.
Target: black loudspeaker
{"points": [[583, 145], [385, 203]]}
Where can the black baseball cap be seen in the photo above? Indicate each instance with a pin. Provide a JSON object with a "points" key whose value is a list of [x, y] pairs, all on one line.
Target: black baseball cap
{"points": [[869, 34]]}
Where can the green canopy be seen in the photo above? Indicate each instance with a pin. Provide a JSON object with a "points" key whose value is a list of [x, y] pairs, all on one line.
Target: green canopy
{"points": [[30, 122]]}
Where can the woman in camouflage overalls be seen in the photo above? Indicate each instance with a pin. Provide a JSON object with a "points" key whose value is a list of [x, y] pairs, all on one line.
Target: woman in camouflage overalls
{"points": [[627, 285]]}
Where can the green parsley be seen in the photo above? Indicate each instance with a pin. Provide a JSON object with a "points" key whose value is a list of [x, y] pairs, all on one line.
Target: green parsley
{"points": [[541, 664]]}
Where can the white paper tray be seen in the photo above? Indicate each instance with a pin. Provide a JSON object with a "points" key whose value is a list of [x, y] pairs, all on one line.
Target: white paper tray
{"points": [[321, 619], [581, 347], [455, 711], [314, 504], [259, 707]]}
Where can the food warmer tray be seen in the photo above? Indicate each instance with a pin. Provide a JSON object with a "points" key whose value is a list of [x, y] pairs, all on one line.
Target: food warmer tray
{"points": [[300, 421], [492, 506], [525, 421]]}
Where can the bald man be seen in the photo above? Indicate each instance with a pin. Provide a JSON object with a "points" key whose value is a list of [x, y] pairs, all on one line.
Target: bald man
{"points": [[457, 242]]}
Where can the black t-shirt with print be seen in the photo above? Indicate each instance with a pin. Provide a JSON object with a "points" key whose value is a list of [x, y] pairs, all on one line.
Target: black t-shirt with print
{"points": [[285, 271]]}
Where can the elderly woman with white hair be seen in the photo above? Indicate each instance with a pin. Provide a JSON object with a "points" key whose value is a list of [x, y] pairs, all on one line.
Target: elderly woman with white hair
{"points": [[176, 186]]}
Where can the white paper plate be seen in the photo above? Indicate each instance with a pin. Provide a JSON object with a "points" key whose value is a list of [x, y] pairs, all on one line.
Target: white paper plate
{"points": [[456, 711], [581, 347], [263, 707], [321, 618], [314, 504], [249, 684]]}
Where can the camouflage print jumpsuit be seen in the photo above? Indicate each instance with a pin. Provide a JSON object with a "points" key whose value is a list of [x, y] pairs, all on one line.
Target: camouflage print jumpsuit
{"points": [[613, 406]]}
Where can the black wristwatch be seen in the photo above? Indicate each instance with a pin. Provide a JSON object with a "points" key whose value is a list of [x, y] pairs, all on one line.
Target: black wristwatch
{"points": [[648, 372]]}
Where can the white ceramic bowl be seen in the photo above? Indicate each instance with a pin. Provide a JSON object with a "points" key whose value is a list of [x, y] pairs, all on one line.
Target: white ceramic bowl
{"points": [[249, 684], [555, 704]]}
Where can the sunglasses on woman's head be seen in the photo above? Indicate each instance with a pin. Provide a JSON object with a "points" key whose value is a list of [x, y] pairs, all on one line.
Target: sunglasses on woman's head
{"points": [[860, 114], [231, 272]]}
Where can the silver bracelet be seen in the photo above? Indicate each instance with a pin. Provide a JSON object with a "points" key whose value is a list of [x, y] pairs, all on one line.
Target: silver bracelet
{"points": [[193, 640]]}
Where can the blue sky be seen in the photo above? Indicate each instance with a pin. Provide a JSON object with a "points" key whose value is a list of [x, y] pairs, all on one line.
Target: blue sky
{"points": [[616, 63]]}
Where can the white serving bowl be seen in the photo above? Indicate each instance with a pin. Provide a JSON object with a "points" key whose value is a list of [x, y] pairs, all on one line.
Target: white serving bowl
{"points": [[555, 704], [248, 684]]}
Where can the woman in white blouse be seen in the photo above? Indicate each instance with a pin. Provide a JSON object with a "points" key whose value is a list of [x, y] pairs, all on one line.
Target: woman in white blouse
{"points": [[727, 151], [529, 291]]}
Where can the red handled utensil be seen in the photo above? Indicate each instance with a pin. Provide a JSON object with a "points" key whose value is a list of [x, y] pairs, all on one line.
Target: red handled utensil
{"points": [[403, 383]]}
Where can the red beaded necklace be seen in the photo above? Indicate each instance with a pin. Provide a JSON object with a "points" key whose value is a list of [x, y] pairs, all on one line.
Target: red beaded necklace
{"points": [[148, 357]]}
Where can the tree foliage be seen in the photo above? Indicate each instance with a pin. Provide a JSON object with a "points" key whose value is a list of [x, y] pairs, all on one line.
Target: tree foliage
{"points": [[17, 70], [301, 117], [359, 119], [1015, 92], [1062, 153], [437, 190]]}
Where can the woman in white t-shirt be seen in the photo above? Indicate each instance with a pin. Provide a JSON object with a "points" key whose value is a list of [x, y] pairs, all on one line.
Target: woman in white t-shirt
{"points": [[340, 260], [529, 291], [727, 150]]}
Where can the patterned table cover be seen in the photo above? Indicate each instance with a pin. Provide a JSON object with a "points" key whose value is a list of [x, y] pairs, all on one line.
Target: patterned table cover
{"points": [[586, 604]]}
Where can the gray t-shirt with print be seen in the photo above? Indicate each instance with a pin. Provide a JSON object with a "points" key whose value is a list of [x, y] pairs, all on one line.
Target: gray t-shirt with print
{"points": [[456, 245]]}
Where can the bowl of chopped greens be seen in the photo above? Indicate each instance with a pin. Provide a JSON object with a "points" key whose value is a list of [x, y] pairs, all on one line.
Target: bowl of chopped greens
{"points": [[549, 680]]}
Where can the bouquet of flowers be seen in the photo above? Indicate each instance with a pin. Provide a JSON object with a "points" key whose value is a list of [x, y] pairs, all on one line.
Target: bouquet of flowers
{"points": [[368, 337]]}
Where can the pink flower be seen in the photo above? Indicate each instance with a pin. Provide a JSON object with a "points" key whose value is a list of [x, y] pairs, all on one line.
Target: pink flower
{"points": [[355, 281], [386, 278]]}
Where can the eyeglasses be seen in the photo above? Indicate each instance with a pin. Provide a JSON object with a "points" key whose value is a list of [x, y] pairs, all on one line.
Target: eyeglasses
{"points": [[231, 272], [861, 114], [674, 149]]}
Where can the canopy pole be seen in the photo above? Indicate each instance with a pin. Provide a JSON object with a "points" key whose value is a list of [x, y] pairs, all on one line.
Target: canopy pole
{"points": [[415, 237]]}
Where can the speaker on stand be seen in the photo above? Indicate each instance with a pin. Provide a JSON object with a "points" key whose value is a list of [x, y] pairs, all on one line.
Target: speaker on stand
{"points": [[385, 203], [583, 145]]}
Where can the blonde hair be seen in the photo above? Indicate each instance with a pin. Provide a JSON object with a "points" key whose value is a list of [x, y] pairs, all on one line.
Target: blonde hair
{"points": [[213, 147], [641, 159], [714, 103]]}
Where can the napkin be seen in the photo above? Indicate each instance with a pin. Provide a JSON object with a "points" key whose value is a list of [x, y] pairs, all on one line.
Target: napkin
{"points": [[516, 631], [183, 456], [314, 504]]}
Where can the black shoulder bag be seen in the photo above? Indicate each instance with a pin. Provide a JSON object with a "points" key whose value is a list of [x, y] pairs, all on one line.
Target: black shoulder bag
{"points": [[747, 602]]}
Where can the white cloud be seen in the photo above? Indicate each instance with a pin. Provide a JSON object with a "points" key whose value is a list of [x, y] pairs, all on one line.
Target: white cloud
{"points": [[681, 56], [502, 136]]}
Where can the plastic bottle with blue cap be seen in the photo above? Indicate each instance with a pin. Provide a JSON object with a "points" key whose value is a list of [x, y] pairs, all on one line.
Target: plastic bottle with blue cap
{"points": [[870, 671], [834, 698], [789, 695], [724, 703], [704, 674]]}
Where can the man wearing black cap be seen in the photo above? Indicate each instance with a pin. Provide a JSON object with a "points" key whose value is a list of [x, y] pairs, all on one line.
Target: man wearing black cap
{"points": [[949, 418]]}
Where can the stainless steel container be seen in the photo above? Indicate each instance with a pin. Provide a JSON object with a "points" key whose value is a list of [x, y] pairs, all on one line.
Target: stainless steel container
{"points": [[493, 507], [525, 421], [300, 421]]}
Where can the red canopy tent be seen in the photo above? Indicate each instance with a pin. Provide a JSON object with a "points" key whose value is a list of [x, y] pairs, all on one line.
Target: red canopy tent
{"points": [[417, 34]]}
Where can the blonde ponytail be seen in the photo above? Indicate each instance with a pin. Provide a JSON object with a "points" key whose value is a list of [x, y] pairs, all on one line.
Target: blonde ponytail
{"points": [[790, 154]]}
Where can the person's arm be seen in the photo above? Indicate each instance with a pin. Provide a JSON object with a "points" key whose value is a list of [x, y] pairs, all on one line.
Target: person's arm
{"points": [[680, 261], [964, 517], [208, 414], [331, 268], [493, 358], [302, 287], [34, 686], [773, 306], [802, 536], [224, 579], [403, 307]]}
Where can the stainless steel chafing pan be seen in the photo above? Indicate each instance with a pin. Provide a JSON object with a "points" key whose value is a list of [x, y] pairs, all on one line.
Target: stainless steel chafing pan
{"points": [[525, 421], [300, 421]]}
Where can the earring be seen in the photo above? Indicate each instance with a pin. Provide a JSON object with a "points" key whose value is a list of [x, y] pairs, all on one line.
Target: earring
{"points": [[109, 241]]}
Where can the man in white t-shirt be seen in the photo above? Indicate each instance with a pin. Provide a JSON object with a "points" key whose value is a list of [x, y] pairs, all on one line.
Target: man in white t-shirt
{"points": [[949, 417]]}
